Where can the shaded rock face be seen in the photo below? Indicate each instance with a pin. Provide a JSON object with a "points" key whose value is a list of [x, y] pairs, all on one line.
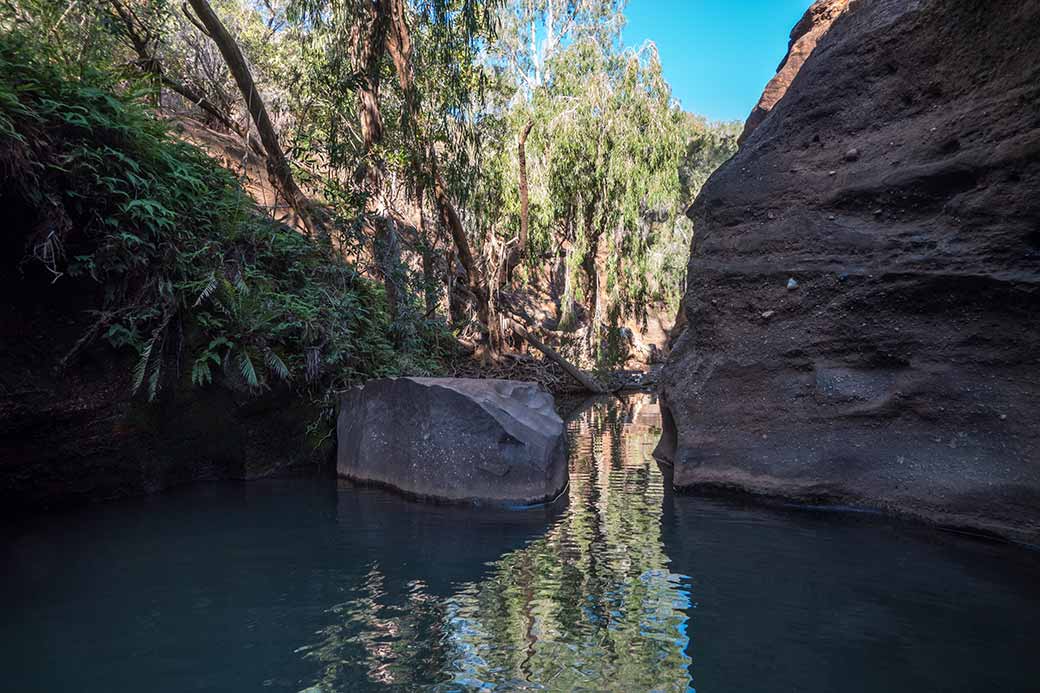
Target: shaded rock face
{"points": [[87, 441], [804, 37], [898, 184], [75, 435], [454, 439]]}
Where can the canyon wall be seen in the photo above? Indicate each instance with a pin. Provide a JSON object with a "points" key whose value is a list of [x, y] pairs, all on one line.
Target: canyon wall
{"points": [[863, 301]]}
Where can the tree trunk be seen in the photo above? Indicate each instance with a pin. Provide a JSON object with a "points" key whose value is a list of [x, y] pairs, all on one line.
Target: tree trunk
{"points": [[388, 259], [588, 265], [599, 255], [277, 165], [369, 58], [369, 61], [399, 46], [516, 253], [429, 257], [474, 277], [150, 64]]}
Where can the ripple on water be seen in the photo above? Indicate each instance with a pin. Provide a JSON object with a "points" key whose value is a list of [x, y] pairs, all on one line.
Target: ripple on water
{"points": [[589, 605], [296, 585]]}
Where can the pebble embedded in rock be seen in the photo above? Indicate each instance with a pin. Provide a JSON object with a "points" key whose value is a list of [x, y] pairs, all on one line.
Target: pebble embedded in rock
{"points": [[792, 284], [852, 155], [768, 314]]}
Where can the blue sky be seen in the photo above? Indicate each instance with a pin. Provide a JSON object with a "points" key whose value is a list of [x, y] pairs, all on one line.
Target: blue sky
{"points": [[716, 54]]}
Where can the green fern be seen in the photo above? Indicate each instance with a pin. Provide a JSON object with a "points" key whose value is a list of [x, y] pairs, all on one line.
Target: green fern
{"points": [[192, 271], [142, 362], [276, 365], [245, 366]]}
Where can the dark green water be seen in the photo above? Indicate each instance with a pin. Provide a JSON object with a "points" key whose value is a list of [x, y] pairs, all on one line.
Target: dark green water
{"points": [[299, 585]]}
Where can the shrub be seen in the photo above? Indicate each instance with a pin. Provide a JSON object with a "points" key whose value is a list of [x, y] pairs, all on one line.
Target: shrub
{"points": [[197, 281]]}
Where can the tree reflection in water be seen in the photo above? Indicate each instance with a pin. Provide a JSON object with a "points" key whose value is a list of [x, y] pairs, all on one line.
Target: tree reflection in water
{"points": [[591, 605]]}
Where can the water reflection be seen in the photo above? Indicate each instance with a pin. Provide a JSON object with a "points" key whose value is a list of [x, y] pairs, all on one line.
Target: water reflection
{"points": [[294, 585], [591, 605], [392, 639]]}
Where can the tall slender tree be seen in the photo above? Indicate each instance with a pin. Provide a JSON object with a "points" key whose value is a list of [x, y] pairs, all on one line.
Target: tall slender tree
{"points": [[277, 164]]}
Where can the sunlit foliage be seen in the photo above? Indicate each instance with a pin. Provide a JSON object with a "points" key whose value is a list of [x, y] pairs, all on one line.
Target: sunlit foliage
{"points": [[612, 163], [193, 273]]}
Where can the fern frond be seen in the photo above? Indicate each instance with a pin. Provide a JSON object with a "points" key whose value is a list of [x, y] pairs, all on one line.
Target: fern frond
{"points": [[142, 363], [276, 365], [200, 373], [245, 366], [210, 287], [154, 381]]}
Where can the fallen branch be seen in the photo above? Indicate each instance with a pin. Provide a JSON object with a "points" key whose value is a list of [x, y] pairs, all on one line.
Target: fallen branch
{"points": [[586, 380]]}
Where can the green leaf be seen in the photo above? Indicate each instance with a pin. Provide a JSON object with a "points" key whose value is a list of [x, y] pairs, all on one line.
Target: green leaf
{"points": [[245, 366], [277, 365], [142, 363]]}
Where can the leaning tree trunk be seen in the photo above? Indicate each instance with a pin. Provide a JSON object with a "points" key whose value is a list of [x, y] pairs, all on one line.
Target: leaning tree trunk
{"points": [[474, 277], [148, 63], [277, 165]]}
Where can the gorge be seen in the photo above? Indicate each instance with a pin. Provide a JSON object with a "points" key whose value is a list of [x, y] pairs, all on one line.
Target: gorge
{"points": [[446, 345]]}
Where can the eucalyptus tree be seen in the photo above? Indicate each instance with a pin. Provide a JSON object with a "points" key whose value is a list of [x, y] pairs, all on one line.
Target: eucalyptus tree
{"points": [[277, 163], [532, 34], [467, 136], [612, 167], [391, 86]]}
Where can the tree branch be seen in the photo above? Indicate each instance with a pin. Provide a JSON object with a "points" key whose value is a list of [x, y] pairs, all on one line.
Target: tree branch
{"points": [[277, 165]]}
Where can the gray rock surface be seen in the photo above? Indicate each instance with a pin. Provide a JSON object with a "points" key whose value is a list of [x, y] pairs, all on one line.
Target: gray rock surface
{"points": [[454, 439], [904, 372]]}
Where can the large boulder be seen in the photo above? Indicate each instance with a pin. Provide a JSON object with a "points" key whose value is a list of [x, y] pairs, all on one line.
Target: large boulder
{"points": [[454, 439], [863, 302]]}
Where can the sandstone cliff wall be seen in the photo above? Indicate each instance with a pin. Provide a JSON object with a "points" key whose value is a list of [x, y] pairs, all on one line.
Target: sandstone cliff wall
{"points": [[863, 304]]}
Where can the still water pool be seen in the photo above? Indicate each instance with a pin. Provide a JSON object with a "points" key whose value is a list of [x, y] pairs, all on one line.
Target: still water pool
{"points": [[305, 585]]}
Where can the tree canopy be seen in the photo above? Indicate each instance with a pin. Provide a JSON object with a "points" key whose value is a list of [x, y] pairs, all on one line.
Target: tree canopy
{"points": [[474, 159]]}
